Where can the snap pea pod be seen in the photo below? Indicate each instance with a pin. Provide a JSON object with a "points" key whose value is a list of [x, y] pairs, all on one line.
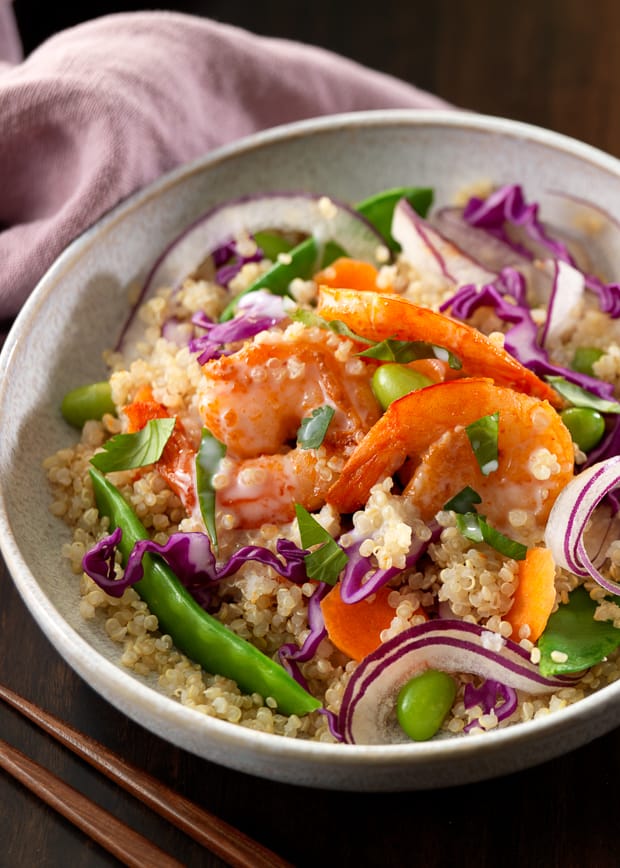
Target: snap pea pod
{"points": [[306, 258], [199, 635]]}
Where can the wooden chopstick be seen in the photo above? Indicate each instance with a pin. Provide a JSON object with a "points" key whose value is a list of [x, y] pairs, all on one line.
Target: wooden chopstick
{"points": [[123, 842], [230, 844]]}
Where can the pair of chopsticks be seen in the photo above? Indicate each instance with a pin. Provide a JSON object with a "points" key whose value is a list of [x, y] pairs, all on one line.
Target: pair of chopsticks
{"points": [[129, 847]]}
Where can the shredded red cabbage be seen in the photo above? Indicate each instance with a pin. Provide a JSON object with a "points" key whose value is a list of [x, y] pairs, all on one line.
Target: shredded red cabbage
{"points": [[244, 326], [360, 578], [290, 654], [522, 340], [229, 261], [507, 205], [190, 557], [491, 696]]}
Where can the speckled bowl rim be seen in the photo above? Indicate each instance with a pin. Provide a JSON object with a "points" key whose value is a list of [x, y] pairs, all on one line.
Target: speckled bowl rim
{"points": [[277, 757]]}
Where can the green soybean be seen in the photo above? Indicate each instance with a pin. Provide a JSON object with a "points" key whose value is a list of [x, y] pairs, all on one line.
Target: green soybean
{"points": [[87, 402], [586, 426], [584, 358], [424, 702], [392, 381]]}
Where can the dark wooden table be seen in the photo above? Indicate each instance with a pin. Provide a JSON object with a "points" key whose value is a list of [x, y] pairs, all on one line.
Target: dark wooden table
{"points": [[548, 62]]}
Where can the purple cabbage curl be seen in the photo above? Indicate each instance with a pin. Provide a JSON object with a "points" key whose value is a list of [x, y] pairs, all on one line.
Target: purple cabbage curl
{"points": [[522, 340], [507, 205], [491, 696], [257, 315], [291, 655], [360, 578], [190, 557], [229, 261]]}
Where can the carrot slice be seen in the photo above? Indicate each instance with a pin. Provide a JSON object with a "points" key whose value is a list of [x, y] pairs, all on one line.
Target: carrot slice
{"points": [[355, 628], [534, 598], [177, 459], [350, 274]]}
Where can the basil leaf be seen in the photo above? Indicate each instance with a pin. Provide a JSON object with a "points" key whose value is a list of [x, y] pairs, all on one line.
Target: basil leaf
{"points": [[126, 451], [314, 427], [391, 350], [327, 562], [309, 318], [579, 397], [476, 528], [463, 501], [210, 453], [483, 435], [572, 631]]}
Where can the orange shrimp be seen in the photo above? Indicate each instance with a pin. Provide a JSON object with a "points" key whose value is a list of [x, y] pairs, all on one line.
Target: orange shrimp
{"points": [[379, 316], [254, 402], [427, 425], [176, 463]]}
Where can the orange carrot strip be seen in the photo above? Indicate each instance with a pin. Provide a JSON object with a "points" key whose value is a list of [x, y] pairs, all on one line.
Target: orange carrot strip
{"points": [[348, 273], [355, 628], [534, 598]]}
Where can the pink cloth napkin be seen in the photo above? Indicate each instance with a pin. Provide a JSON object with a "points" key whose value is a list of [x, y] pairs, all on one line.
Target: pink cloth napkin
{"points": [[100, 110]]}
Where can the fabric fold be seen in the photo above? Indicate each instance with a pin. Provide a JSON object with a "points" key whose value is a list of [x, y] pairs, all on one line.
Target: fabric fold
{"points": [[102, 109]]}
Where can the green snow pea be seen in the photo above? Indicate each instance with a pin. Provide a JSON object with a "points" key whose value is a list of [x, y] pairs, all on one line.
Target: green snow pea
{"points": [[572, 633], [199, 635], [305, 259]]}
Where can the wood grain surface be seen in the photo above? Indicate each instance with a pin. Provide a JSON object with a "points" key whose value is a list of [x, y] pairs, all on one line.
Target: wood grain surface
{"points": [[548, 62]]}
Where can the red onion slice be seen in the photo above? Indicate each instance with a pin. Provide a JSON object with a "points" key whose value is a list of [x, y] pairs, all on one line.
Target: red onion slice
{"points": [[431, 253], [324, 218], [570, 515], [567, 291], [367, 714]]}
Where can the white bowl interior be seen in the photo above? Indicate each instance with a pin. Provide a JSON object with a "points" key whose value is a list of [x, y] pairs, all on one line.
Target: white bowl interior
{"points": [[77, 311]]}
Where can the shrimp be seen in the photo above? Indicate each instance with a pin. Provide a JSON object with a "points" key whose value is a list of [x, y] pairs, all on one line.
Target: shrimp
{"points": [[176, 464], [536, 457], [379, 316], [254, 401]]}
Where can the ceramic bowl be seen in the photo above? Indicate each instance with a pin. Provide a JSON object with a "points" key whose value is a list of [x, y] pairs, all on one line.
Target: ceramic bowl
{"points": [[77, 310]]}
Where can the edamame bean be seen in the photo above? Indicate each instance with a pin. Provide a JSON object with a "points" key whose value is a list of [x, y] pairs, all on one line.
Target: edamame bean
{"points": [[586, 426], [87, 402], [584, 358], [392, 381], [424, 702]]}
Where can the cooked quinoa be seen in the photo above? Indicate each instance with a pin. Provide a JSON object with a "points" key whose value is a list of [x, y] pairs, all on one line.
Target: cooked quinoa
{"points": [[460, 579]]}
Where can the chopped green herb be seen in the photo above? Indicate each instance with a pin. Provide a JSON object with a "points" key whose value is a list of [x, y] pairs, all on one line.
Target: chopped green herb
{"points": [[391, 350], [464, 501], [208, 457], [576, 638], [475, 527], [309, 318], [314, 427], [126, 451], [579, 397], [483, 436], [327, 562]]}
